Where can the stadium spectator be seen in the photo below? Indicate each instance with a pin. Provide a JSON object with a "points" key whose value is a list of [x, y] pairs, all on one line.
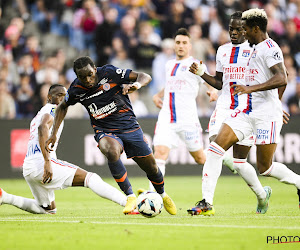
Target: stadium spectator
{"points": [[294, 101], [7, 103]]}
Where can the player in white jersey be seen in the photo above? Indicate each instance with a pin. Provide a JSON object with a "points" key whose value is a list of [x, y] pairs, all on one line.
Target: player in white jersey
{"points": [[266, 79], [178, 117], [44, 173]]}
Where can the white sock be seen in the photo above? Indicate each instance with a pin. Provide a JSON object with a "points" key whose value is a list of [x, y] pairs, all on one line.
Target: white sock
{"points": [[282, 173], [103, 189], [162, 166], [29, 205], [248, 173], [211, 171]]}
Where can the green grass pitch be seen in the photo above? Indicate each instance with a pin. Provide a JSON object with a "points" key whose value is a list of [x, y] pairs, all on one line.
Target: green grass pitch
{"points": [[85, 221]]}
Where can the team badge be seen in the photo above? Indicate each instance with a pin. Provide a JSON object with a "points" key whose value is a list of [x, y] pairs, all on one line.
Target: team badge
{"points": [[67, 97], [52, 112], [106, 86], [246, 53]]}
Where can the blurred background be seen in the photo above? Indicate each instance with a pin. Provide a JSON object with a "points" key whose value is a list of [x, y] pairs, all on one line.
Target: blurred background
{"points": [[40, 39]]}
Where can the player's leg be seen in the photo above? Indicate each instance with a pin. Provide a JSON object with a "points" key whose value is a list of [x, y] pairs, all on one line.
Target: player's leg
{"points": [[112, 148], [98, 186], [26, 204], [155, 176], [248, 173], [275, 169]]}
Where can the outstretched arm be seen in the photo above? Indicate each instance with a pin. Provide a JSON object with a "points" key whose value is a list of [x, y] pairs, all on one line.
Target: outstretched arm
{"points": [[43, 132], [141, 80], [214, 81], [60, 114], [158, 98]]}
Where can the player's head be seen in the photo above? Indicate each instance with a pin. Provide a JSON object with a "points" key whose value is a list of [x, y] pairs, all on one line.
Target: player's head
{"points": [[56, 93], [236, 30], [86, 71], [182, 44], [255, 22]]}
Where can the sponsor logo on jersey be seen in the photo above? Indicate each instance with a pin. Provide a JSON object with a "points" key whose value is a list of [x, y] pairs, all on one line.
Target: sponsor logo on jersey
{"points": [[102, 112], [254, 54], [183, 68], [89, 97], [67, 97], [246, 53], [103, 81], [262, 134], [276, 55]]}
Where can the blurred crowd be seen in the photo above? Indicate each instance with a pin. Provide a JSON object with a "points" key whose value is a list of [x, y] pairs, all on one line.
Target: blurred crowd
{"points": [[41, 38]]}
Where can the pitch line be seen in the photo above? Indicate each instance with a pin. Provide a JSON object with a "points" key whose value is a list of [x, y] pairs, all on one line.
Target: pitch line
{"points": [[153, 224]]}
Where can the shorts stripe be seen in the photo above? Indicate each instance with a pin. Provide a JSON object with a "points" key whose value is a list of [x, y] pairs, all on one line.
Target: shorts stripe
{"points": [[63, 163], [273, 133]]}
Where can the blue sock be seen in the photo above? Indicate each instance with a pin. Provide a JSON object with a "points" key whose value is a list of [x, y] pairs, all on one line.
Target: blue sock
{"points": [[119, 173], [157, 181]]}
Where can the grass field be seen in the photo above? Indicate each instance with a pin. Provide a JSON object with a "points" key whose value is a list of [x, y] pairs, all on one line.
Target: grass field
{"points": [[85, 221]]}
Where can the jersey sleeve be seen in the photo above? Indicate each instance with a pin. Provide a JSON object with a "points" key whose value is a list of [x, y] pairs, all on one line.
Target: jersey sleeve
{"points": [[70, 96], [273, 56], [119, 76], [219, 67]]}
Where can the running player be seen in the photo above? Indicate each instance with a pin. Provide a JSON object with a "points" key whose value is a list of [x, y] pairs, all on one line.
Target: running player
{"points": [[264, 74], [103, 92], [44, 173], [178, 117]]}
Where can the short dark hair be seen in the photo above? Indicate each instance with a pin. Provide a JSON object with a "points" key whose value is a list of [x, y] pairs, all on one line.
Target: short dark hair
{"points": [[256, 17], [183, 32], [54, 86], [81, 62], [236, 15]]}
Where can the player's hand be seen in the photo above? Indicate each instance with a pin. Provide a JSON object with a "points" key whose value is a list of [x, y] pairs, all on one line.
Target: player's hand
{"points": [[241, 89], [213, 95], [50, 143], [197, 69], [157, 101], [48, 173], [129, 88], [286, 116]]}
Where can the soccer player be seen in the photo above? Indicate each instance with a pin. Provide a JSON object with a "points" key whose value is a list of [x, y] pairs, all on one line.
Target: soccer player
{"points": [[103, 92], [178, 117], [44, 173], [265, 77]]}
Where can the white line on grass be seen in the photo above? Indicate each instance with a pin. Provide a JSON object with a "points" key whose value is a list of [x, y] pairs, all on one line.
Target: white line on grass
{"points": [[154, 224]]}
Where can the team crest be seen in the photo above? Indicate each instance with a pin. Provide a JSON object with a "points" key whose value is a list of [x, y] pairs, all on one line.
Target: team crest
{"points": [[106, 86], [246, 53], [183, 68]]}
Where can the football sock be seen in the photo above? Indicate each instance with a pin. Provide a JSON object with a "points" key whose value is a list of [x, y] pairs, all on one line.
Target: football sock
{"points": [[162, 166], [29, 205], [282, 173], [103, 189], [248, 173], [157, 181], [119, 172], [211, 171]]}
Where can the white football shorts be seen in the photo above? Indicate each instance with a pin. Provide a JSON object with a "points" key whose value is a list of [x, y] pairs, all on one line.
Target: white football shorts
{"points": [[63, 175], [169, 134], [217, 119], [243, 125]]}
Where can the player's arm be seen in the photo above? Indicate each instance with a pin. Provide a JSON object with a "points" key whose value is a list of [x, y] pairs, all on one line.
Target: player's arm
{"points": [[43, 133], [214, 81], [279, 79], [139, 80], [212, 93], [158, 98], [60, 114]]}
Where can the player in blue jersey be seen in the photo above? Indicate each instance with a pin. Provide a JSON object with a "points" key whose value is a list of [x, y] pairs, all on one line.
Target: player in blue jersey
{"points": [[103, 92]]}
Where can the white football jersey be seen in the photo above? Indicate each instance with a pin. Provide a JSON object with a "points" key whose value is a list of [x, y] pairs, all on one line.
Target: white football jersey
{"points": [[34, 151], [263, 104], [181, 90], [232, 61]]}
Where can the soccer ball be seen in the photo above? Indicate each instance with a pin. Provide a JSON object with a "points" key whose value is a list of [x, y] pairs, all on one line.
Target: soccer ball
{"points": [[149, 204]]}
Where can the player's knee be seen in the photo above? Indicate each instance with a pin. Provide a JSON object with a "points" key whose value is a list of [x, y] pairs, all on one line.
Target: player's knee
{"points": [[200, 160], [112, 154]]}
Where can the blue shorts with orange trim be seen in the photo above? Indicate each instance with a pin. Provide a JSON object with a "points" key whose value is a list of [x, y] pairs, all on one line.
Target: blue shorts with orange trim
{"points": [[133, 142]]}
